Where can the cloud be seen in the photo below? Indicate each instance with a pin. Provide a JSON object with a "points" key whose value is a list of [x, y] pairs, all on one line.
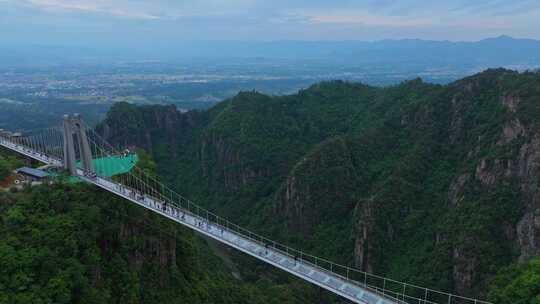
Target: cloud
{"points": [[68, 5], [97, 6], [368, 19], [496, 7], [272, 20], [407, 13], [482, 16]]}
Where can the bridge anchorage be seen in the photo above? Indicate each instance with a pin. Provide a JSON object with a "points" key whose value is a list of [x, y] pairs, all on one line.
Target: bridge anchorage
{"points": [[82, 152]]}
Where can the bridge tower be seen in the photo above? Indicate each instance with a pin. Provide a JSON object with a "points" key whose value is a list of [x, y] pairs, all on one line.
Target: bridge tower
{"points": [[75, 134]]}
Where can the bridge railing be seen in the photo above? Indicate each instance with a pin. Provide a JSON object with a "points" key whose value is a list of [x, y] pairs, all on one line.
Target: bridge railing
{"points": [[394, 290], [48, 143], [400, 292]]}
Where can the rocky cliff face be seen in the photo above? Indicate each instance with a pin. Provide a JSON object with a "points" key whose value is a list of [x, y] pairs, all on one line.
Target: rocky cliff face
{"points": [[146, 126], [363, 248], [160, 248], [221, 161], [436, 185], [320, 188], [505, 154]]}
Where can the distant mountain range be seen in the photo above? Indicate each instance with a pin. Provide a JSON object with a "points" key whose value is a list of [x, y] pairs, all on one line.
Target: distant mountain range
{"points": [[492, 52]]}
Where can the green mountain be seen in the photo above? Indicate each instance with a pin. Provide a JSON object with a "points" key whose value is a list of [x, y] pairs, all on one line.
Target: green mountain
{"points": [[66, 243], [434, 185]]}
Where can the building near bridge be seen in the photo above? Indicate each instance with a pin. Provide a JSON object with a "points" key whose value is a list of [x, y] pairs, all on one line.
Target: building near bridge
{"points": [[30, 175]]}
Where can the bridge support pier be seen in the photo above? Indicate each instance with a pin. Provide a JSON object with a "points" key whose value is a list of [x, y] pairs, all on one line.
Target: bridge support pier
{"points": [[74, 134]]}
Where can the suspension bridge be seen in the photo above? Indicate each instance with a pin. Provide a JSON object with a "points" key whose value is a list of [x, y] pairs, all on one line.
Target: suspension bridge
{"points": [[83, 153]]}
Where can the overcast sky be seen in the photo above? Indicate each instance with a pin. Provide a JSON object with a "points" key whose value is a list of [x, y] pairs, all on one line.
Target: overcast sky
{"points": [[87, 22]]}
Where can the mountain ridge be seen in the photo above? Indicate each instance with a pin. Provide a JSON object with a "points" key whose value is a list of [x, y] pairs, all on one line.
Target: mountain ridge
{"points": [[495, 51], [425, 183]]}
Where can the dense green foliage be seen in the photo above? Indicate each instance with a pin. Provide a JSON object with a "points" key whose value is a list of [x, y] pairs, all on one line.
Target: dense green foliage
{"points": [[76, 244], [517, 284], [8, 164], [4, 168], [416, 167], [423, 183]]}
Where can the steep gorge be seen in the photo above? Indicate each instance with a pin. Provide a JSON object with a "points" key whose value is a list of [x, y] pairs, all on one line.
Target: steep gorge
{"points": [[436, 185]]}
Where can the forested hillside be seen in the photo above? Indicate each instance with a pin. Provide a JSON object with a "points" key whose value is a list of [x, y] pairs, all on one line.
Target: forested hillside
{"points": [[434, 185], [66, 243], [7, 164]]}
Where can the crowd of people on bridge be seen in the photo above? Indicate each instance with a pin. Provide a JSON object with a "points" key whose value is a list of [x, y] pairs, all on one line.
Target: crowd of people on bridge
{"points": [[90, 174], [173, 211], [27, 150]]}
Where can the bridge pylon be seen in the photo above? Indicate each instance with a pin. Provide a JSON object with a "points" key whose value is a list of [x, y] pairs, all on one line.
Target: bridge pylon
{"points": [[75, 134]]}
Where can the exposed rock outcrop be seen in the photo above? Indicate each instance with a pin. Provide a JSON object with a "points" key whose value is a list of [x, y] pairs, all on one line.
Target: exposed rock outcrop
{"points": [[320, 187], [401, 180]]}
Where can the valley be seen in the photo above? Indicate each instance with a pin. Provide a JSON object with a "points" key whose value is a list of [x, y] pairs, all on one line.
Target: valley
{"points": [[431, 184], [269, 152], [384, 179]]}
